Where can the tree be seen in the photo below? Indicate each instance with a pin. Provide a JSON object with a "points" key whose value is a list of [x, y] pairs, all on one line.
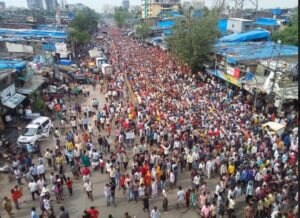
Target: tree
{"points": [[142, 30], [120, 16], [288, 35], [192, 40], [82, 27]]}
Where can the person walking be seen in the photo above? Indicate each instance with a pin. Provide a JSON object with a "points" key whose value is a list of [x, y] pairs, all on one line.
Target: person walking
{"points": [[33, 188], [7, 205], [63, 213], [107, 194], [155, 213], [15, 195], [34, 213], [88, 187]]}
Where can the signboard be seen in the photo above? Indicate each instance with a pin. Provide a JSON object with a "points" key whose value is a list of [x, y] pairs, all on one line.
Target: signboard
{"points": [[8, 93], [224, 76], [233, 71], [61, 48], [14, 47]]}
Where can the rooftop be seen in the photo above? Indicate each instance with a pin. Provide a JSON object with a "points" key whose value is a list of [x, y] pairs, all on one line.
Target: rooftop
{"points": [[240, 19], [247, 51]]}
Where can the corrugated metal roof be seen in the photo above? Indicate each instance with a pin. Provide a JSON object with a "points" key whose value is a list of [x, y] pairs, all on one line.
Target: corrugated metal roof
{"points": [[255, 34], [242, 51]]}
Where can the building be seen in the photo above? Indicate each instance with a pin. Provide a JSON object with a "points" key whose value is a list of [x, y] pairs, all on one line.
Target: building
{"points": [[252, 66], [35, 4], [51, 5], [239, 25], [63, 4], [153, 8], [125, 4], [2, 6]]}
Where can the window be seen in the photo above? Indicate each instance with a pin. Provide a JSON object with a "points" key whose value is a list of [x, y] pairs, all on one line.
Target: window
{"points": [[266, 73], [46, 123], [232, 25]]}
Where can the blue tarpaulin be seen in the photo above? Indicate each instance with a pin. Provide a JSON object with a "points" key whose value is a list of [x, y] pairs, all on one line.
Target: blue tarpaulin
{"points": [[264, 21], [276, 11], [49, 47], [10, 64], [33, 33], [222, 25], [66, 62], [165, 23], [254, 35], [243, 51]]}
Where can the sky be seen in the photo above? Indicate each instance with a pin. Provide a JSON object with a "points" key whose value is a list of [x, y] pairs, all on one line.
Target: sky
{"points": [[98, 4]]}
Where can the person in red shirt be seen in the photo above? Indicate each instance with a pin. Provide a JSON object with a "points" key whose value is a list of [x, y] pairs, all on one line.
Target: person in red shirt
{"points": [[69, 184], [15, 195], [93, 212], [86, 173]]}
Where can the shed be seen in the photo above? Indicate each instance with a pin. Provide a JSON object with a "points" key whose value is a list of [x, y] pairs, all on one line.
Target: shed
{"points": [[239, 25]]}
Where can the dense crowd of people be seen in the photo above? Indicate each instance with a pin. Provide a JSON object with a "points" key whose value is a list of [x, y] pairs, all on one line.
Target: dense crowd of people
{"points": [[172, 122]]}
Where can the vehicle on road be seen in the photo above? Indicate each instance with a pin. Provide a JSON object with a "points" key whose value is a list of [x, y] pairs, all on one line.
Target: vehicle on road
{"points": [[39, 128]]}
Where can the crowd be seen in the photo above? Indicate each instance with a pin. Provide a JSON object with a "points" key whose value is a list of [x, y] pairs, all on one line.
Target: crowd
{"points": [[178, 122]]}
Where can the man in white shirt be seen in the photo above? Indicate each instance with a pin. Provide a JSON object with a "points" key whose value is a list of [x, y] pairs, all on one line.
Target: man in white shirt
{"points": [[196, 181], [41, 170], [180, 197], [33, 188], [89, 189], [155, 213]]}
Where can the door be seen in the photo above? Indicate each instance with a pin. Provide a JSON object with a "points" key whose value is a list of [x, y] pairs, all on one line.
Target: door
{"points": [[46, 128]]}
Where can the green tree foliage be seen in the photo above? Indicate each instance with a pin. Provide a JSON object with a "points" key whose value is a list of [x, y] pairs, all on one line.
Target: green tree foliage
{"points": [[193, 39], [83, 25], [288, 35], [142, 30], [120, 16]]}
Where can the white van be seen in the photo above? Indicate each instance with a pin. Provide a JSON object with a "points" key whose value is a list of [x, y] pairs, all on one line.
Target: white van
{"points": [[39, 128], [273, 128]]}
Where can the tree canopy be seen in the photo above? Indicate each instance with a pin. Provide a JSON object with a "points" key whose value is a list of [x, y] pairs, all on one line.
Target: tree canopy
{"points": [[142, 30], [83, 25], [120, 16], [192, 40], [288, 35]]}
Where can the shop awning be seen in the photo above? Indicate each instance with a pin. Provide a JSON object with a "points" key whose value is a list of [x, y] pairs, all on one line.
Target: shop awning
{"points": [[14, 101], [32, 85]]}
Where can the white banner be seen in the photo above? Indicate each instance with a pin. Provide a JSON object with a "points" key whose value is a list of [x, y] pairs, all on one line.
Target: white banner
{"points": [[14, 47], [61, 48]]}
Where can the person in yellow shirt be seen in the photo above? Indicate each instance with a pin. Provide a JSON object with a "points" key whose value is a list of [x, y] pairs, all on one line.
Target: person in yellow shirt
{"points": [[231, 169], [69, 146]]}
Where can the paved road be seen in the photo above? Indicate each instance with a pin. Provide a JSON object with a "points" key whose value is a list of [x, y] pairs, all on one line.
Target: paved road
{"points": [[78, 202]]}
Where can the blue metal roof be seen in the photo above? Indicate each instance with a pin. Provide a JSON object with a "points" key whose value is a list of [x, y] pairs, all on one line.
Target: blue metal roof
{"points": [[256, 34], [33, 33], [264, 21], [243, 51], [10, 64]]}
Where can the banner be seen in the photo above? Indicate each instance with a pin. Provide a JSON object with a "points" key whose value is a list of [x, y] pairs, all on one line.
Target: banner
{"points": [[14, 47], [233, 71]]}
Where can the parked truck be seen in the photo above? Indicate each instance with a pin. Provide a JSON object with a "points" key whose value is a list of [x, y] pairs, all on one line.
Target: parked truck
{"points": [[107, 70]]}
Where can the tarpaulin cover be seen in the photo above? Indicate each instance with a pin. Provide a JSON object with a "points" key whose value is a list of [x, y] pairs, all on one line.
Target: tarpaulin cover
{"points": [[166, 23], [222, 25], [49, 47], [9, 64], [277, 11], [256, 34], [243, 51], [264, 21], [33, 33], [66, 62]]}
